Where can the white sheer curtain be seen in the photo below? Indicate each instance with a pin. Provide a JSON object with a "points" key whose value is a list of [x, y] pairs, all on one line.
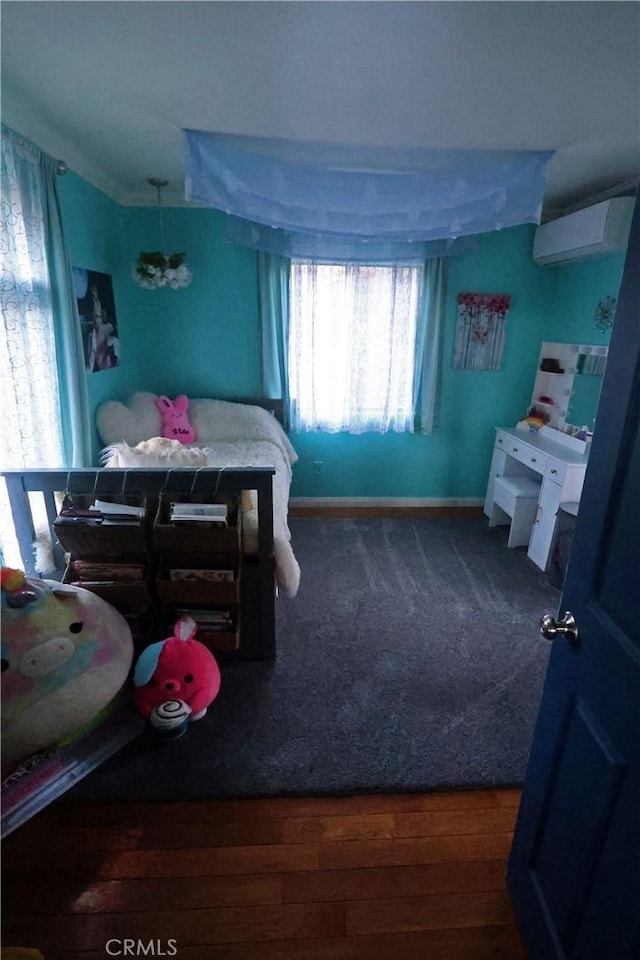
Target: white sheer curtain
{"points": [[352, 346], [31, 422], [32, 426]]}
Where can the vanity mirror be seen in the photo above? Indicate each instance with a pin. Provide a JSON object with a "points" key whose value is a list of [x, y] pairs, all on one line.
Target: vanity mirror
{"points": [[567, 384]]}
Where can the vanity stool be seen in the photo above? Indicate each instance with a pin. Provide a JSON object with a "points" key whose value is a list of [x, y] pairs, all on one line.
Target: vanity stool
{"points": [[517, 497]]}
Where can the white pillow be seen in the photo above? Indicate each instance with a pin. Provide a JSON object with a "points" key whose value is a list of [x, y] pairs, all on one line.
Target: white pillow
{"points": [[138, 420]]}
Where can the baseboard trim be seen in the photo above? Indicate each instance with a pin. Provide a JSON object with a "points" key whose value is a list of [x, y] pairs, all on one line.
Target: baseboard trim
{"points": [[384, 506], [386, 501]]}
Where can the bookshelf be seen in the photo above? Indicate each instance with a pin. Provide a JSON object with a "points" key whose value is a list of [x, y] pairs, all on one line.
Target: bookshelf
{"points": [[156, 563], [199, 566], [108, 547], [256, 631]]}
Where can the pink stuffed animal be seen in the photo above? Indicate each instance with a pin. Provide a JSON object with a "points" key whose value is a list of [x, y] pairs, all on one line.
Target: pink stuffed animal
{"points": [[176, 680], [175, 422]]}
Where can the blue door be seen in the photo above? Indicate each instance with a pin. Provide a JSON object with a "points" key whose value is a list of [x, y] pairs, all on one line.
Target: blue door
{"points": [[574, 867]]}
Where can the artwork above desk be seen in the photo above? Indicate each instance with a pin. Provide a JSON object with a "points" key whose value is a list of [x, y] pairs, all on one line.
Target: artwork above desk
{"points": [[550, 458]]}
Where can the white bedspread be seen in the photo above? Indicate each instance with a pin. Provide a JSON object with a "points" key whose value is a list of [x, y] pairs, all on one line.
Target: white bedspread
{"points": [[229, 435]]}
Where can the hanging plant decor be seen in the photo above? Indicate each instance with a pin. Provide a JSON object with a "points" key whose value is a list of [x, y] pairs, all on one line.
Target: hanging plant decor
{"points": [[158, 269], [480, 330]]}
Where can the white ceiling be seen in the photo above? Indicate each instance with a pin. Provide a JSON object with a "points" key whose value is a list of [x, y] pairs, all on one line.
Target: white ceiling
{"points": [[108, 86]]}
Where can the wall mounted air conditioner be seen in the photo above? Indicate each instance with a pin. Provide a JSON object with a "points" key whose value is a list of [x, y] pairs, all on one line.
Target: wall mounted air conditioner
{"points": [[601, 228]]}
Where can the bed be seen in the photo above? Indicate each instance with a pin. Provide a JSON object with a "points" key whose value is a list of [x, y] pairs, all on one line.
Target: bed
{"points": [[241, 451], [229, 434]]}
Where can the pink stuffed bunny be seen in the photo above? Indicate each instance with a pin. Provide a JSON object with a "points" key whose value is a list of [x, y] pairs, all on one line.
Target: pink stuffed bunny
{"points": [[175, 422]]}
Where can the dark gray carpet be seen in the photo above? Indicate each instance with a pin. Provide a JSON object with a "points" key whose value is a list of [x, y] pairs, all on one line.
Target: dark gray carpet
{"points": [[410, 660]]}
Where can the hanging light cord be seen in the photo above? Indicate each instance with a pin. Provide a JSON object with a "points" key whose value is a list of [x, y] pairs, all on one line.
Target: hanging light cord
{"points": [[159, 189], [159, 184]]}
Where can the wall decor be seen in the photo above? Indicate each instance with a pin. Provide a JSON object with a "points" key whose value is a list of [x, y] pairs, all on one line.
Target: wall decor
{"points": [[480, 330], [604, 314], [97, 311]]}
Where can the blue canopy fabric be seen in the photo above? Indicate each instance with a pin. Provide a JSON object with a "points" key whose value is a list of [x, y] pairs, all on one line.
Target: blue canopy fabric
{"points": [[320, 247], [395, 201]]}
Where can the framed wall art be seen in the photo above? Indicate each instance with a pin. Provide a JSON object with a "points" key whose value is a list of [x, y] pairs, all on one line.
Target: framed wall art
{"points": [[97, 312], [480, 330]]}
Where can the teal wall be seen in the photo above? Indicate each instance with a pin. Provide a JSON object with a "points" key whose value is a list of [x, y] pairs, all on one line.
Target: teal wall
{"points": [[577, 290], [94, 226], [201, 340], [454, 460], [204, 341]]}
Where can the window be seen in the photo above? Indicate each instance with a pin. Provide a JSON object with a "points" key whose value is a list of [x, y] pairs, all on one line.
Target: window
{"points": [[352, 345]]}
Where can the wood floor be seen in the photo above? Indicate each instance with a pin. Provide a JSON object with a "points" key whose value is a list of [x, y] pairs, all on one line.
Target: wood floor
{"points": [[408, 877]]}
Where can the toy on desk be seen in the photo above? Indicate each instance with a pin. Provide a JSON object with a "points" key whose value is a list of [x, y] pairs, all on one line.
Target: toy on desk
{"points": [[176, 680], [66, 653], [530, 424], [534, 421]]}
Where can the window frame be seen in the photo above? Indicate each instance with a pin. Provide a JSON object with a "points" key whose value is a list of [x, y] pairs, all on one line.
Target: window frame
{"points": [[405, 281]]}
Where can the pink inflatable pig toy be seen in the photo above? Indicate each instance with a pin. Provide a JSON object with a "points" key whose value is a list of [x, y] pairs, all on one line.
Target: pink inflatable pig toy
{"points": [[175, 422], [66, 653]]}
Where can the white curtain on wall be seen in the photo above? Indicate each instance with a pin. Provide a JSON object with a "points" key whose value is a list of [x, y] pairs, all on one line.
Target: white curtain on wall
{"points": [[31, 422], [43, 391]]}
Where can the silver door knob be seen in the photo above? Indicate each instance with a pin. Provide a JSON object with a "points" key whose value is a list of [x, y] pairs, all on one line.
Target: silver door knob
{"points": [[567, 627]]}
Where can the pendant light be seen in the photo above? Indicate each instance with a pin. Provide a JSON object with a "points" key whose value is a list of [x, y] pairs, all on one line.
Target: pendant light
{"points": [[156, 268]]}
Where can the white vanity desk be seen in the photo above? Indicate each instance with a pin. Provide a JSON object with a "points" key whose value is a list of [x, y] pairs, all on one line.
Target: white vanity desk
{"points": [[549, 456]]}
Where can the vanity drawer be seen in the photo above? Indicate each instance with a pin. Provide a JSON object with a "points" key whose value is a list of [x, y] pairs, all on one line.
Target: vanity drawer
{"points": [[569, 476], [526, 454], [556, 470]]}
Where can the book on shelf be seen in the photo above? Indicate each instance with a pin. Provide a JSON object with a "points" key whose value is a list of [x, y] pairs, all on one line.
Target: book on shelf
{"points": [[208, 512], [217, 521], [100, 512], [209, 576], [118, 519], [210, 620], [206, 613], [93, 584], [94, 519], [93, 572], [120, 509]]}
